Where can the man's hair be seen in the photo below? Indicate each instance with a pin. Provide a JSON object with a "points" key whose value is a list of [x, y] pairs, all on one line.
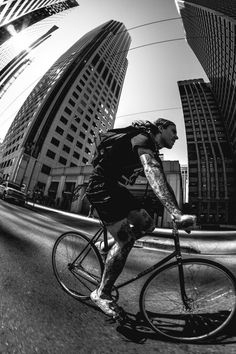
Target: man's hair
{"points": [[154, 127], [162, 122]]}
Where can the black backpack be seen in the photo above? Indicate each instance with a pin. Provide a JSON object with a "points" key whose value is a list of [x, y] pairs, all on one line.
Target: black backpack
{"points": [[105, 140]]}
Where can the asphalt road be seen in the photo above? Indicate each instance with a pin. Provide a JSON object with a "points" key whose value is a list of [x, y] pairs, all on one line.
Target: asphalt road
{"points": [[38, 317]]}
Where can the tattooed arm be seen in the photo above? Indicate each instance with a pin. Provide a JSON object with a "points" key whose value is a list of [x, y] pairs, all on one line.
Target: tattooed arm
{"points": [[157, 181]]}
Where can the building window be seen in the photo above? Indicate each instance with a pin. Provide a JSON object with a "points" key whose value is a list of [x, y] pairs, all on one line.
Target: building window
{"points": [[59, 130], [77, 119], [100, 66], [46, 169], [113, 86], [87, 118], [62, 160], [64, 120], [105, 72], [109, 79], [75, 95], [84, 160], [55, 142], [66, 149], [86, 96], [117, 91], [95, 59], [68, 111], [82, 82], [76, 155], [79, 144], [79, 88], [70, 138], [83, 103], [73, 127], [82, 135], [85, 126], [51, 154], [71, 102], [73, 164], [80, 110]]}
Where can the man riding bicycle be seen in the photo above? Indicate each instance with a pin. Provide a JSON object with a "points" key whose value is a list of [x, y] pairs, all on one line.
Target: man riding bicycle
{"points": [[124, 216]]}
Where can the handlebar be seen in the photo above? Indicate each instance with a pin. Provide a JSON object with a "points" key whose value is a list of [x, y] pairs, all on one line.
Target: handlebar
{"points": [[175, 229]]}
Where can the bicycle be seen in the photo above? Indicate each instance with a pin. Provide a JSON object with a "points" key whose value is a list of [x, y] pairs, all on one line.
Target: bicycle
{"points": [[186, 300]]}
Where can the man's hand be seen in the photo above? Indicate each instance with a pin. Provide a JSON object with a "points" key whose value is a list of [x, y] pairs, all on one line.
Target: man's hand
{"points": [[185, 221]]}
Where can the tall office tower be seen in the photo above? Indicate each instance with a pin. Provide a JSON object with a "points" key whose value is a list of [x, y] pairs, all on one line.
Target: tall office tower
{"points": [[211, 173], [77, 97], [210, 27], [184, 174], [16, 15], [14, 59], [33, 25]]}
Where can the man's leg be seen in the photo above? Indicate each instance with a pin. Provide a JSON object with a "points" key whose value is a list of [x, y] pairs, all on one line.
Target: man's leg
{"points": [[125, 232]]}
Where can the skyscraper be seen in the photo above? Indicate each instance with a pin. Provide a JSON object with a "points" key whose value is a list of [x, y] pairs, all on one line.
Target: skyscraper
{"points": [[77, 97], [211, 174], [16, 15], [211, 33], [27, 25], [15, 60]]}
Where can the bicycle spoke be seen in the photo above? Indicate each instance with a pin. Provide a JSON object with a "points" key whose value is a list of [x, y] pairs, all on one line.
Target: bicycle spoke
{"points": [[211, 300], [76, 264]]}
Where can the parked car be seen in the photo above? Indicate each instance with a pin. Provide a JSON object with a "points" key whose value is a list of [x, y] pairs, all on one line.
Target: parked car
{"points": [[11, 191]]}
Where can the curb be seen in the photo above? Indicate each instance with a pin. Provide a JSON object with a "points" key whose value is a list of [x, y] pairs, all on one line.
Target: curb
{"points": [[165, 244]]}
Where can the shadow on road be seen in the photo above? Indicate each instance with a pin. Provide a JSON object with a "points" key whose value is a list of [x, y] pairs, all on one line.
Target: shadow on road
{"points": [[135, 329], [16, 242]]}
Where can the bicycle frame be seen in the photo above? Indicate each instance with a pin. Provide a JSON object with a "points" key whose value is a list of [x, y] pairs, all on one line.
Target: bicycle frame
{"points": [[101, 231], [175, 254]]}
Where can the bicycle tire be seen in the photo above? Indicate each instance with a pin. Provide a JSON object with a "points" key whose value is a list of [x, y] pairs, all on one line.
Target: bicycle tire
{"points": [[212, 290], [77, 264]]}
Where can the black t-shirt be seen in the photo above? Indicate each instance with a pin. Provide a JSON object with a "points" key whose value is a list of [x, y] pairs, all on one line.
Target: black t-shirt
{"points": [[122, 163]]}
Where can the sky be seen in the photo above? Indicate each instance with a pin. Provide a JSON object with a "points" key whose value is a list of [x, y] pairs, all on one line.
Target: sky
{"points": [[150, 89]]}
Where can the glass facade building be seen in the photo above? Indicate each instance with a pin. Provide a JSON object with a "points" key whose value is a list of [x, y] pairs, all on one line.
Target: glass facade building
{"points": [[16, 15], [211, 171], [210, 27], [24, 29], [77, 97]]}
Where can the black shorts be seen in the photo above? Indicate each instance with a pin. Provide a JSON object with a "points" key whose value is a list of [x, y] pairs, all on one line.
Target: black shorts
{"points": [[112, 202]]}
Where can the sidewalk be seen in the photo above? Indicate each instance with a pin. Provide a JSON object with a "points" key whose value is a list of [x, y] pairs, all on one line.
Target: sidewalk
{"points": [[198, 242]]}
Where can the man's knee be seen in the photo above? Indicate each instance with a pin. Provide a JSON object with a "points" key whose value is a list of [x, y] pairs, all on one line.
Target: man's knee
{"points": [[122, 232], [131, 228], [141, 220]]}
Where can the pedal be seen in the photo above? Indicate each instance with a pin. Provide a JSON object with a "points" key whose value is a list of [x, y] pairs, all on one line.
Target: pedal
{"points": [[120, 317]]}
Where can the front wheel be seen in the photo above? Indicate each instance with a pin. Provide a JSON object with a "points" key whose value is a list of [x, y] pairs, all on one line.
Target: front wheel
{"points": [[211, 300], [77, 264]]}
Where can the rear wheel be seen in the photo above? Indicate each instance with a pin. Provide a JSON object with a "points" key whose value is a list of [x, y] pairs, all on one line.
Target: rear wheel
{"points": [[77, 264], [211, 300]]}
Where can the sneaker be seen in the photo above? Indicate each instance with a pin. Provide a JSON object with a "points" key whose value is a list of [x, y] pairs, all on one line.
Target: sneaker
{"points": [[106, 304]]}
